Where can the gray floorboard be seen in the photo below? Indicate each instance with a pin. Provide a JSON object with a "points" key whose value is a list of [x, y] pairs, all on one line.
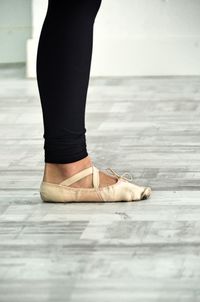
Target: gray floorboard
{"points": [[143, 251]]}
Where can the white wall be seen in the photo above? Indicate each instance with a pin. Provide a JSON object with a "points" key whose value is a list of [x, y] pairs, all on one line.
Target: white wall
{"points": [[139, 37], [147, 37], [15, 29], [39, 8]]}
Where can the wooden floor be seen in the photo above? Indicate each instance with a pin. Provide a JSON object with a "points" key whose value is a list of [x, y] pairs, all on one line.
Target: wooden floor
{"points": [[139, 252]]}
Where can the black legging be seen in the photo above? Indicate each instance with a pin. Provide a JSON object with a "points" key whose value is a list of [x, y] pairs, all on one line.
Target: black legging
{"points": [[63, 70]]}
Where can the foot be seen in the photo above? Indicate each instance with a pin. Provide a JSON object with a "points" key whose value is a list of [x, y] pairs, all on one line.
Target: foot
{"points": [[56, 173]]}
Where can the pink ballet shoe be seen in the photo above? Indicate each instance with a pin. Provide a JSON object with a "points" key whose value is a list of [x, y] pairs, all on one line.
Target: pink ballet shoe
{"points": [[122, 190]]}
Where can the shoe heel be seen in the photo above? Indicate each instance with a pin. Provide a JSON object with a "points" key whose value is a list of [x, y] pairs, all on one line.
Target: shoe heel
{"points": [[52, 193], [47, 193], [43, 197], [42, 192]]}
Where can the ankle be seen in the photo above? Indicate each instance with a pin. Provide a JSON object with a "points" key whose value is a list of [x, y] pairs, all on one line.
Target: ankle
{"points": [[71, 168], [57, 172]]}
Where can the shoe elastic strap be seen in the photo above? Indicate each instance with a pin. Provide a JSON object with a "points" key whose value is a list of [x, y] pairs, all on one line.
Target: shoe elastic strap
{"points": [[91, 170]]}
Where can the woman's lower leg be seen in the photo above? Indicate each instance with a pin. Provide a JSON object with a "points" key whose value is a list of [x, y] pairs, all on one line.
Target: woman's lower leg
{"points": [[63, 68]]}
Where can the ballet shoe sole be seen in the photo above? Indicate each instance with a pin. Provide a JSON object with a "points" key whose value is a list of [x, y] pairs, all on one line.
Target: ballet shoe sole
{"points": [[145, 195]]}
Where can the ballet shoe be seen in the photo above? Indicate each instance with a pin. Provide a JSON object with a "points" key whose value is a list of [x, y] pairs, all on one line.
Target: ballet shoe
{"points": [[122, 190]]}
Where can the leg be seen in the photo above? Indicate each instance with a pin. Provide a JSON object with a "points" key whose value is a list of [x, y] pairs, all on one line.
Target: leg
{"points": [[63, 68]]}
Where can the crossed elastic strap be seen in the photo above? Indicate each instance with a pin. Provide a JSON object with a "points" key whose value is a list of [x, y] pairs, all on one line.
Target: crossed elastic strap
{"points": [[91, 170]]}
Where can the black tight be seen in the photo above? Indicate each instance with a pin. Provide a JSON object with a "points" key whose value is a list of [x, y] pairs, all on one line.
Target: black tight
{"points": [[63, 70]]}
